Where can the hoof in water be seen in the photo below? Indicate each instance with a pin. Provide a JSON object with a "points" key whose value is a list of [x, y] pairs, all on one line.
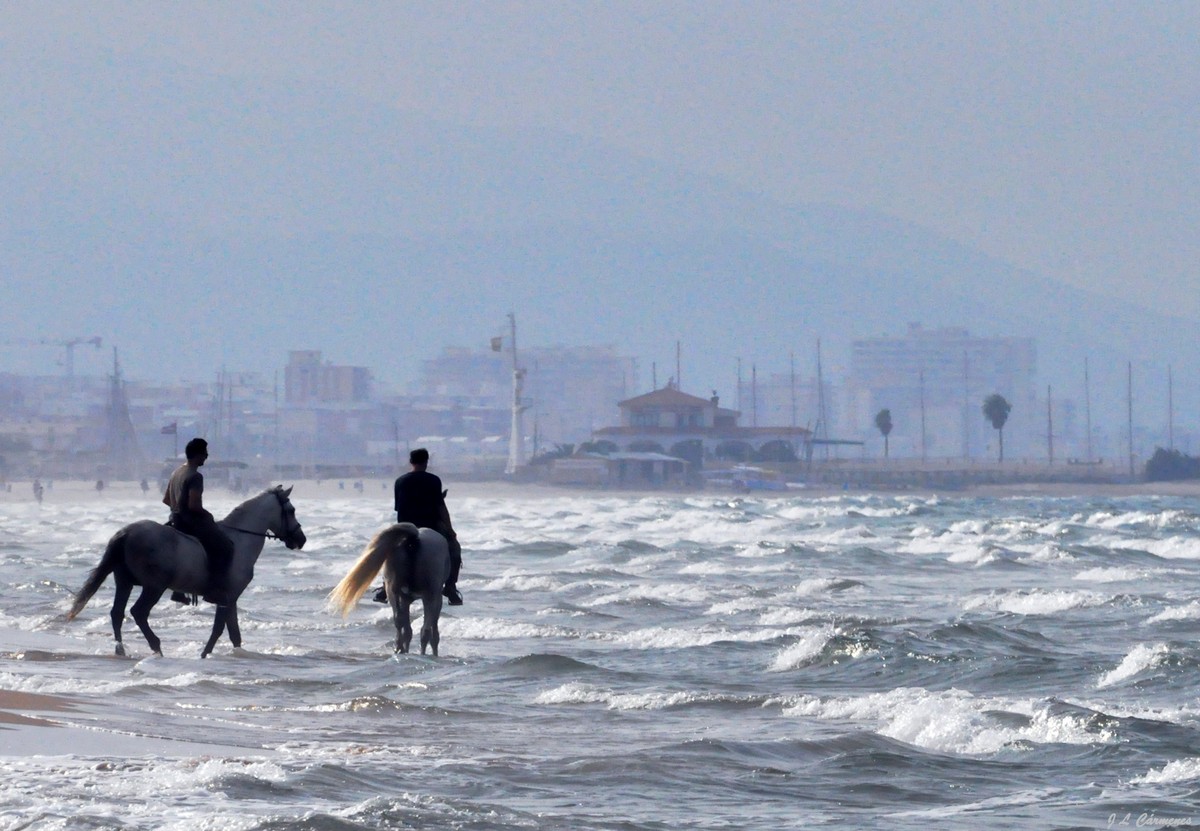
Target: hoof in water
{"points": [[120, 649]]}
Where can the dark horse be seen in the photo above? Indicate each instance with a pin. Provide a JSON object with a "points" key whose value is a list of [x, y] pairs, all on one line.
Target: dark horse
{"points": [[157, 557], [416, 564]]}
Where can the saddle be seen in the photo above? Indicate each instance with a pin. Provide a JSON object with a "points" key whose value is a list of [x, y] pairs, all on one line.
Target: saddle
{"points": [[186, 599]]}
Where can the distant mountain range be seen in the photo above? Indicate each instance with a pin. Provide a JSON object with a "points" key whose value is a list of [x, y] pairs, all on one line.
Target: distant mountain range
{"points": [[197, 222]]}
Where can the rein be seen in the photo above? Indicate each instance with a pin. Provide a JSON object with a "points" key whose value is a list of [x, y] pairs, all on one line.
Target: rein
{"points": [[264, 534], [267, 534]]}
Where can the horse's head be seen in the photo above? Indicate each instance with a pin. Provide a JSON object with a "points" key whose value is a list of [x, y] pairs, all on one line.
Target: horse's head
{"points": [[287, 527]]}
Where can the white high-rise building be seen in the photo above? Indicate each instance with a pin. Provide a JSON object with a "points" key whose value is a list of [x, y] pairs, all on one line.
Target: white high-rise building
{"points": [[934, 382]]}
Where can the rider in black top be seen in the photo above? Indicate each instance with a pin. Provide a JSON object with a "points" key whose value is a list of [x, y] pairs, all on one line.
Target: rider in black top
{"points": [[421, 501], [184, 496]]}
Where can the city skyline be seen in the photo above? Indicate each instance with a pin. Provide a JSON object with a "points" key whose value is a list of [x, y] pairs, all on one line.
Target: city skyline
{"points": [[257, 413], [384, 182]]}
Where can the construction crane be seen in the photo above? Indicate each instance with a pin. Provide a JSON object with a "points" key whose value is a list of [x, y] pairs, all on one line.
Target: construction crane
{"points": [[69, 345]]}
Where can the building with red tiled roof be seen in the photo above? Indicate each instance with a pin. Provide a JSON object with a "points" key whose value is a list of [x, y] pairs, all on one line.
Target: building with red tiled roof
{"points": [[696, 429]]}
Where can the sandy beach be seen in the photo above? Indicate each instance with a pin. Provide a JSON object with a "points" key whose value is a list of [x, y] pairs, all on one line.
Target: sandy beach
{"points": [[18, 707]]}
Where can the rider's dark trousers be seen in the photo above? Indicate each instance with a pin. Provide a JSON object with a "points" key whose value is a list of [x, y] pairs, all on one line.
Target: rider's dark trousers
{"points": [[455, 558], [217, 546]]}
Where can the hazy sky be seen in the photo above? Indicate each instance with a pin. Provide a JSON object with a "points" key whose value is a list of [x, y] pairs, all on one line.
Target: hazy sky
{"points": [[1060, 137]]}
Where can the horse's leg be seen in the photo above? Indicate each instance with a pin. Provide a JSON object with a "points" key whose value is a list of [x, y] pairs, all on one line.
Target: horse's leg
{"points": [[220, 618], [432, 602], [401, 618], [124, 588], [231, 624], [141, 615]]}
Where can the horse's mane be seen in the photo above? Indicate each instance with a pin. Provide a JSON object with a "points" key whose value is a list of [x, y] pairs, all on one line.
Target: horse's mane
{"points": [[237, 514]]}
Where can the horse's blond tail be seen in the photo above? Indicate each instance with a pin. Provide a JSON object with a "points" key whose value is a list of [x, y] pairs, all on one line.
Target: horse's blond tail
{"points": [[347, 593]]}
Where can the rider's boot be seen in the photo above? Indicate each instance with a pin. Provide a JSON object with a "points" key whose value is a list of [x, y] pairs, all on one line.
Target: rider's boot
{"points": [[451, 592]]}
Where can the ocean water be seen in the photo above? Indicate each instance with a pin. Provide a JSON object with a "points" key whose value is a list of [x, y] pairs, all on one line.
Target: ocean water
{"points": [[633, 662]]}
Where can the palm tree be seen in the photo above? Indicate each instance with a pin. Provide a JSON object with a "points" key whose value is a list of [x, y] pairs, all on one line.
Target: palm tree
{"points": [[996, 409], [883, 420]]}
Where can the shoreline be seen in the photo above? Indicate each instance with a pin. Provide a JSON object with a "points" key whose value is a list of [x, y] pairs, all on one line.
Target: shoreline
{"points": [[76, 492]]}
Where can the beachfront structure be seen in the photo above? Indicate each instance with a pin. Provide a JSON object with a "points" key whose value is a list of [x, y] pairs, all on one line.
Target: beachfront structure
{"points": [[672, 422]]}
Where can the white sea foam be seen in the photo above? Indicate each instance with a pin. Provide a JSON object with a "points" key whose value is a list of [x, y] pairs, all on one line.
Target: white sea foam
{"points": [[952, 721], [735, 606], [1191, 611], [666, 637], [489, 628], [784, 616], [579, 693], [979, 554], [1170, 548], [1036, 602], [1180, 770], [1118, 574], [810, 645], [1139, 659], [667, 592], [955, 548], [1045, 553]]}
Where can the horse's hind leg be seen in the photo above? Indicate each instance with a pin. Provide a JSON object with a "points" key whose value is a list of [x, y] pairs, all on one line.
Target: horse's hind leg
{"points": [[429, 625], [141, 615], [401, 617], [124, 588]]}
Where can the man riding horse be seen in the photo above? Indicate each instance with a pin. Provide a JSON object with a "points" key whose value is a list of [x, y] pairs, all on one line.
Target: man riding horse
{"points": [[421, 501], [184, 496]]}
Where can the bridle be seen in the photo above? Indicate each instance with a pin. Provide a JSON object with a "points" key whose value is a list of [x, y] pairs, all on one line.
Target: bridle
{"points": [[285, 508]]}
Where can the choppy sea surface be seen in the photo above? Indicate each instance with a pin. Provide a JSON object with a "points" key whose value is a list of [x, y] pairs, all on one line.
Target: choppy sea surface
{"points": [[633, 662]]}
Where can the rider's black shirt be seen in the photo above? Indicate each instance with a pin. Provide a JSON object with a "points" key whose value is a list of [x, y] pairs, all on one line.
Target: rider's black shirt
{"points": [[419, 499]]}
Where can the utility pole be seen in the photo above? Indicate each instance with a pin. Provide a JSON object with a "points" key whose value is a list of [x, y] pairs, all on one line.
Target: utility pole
{"points": [[1087, 408], [753, 395], [516, 435], [822, 431], [678, 368], [922, 377], [1129, 404], [792, 358], [1049, 427], [739, 385], [516, 448], [966, 407], [1170, 410]]}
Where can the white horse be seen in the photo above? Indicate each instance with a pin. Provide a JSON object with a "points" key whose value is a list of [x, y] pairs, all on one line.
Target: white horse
{"points": [[158, 557], [415, 563]]}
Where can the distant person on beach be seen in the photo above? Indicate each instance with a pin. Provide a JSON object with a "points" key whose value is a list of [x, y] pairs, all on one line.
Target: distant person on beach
{"points": [[184, 496], [38, 490], [419, 499]]}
